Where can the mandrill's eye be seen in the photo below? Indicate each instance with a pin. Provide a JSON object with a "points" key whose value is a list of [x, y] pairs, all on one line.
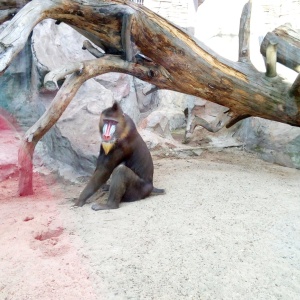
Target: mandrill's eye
{"points": [[108, 130]]}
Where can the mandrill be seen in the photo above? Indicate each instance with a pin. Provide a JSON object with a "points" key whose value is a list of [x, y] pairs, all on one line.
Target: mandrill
{"points": [[125, 157]]}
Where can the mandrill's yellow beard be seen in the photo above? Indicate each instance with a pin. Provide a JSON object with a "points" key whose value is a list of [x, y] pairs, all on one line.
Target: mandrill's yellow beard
{"points": [[107, 147]]}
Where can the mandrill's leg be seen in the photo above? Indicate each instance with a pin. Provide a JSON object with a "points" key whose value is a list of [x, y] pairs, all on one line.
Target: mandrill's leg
{"points": [[126, 186], [97, 180]]}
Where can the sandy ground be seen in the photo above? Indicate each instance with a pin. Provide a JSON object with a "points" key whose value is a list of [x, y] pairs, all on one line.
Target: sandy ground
{"points": [[227, 228]]}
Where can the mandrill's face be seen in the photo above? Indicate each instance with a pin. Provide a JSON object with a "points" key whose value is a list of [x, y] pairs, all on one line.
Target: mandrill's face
{"points": [[111, 127], [108, 134]]}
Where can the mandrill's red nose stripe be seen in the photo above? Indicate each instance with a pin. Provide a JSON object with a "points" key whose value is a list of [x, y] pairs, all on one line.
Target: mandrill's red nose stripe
{"points": [[107, 132]]}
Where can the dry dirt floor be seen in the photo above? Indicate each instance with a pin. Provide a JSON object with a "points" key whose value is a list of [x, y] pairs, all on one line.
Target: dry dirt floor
{"points": [[228, 227]]}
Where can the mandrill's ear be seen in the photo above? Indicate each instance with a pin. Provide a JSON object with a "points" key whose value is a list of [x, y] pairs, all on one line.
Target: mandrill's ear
{"points": [[116, 106]]}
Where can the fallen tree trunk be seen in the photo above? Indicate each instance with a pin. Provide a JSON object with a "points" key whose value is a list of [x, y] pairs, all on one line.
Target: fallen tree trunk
{"points": [[192, 67], [168, 58]]}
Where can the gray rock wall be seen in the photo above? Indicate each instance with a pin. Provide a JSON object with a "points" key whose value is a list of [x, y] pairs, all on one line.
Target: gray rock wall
{"points": [[15, 87], [273, 141]]}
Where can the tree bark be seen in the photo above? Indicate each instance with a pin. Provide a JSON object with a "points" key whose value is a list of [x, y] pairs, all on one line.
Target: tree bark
{"points": [[25, 157], [244, 33], [174, 60]]}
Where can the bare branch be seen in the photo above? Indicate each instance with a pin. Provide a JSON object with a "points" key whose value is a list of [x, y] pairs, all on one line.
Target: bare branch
{"points": [[87, 45], [15, 35], [221, 120], [36, 132], [234, 119], [88, 69], [211, 127], [271, 59], [25, 156], [50, 80], [244, 33]]}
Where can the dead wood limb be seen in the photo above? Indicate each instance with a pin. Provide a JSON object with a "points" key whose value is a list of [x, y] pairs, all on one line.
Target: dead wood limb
{"points": [[271, 59], [25, 156], [15, 35], [36, 132], [211, 127], [223, 119], [235, 119], [50, 80], [244, 33], [88, 69], [87, 45], [288, 49]]}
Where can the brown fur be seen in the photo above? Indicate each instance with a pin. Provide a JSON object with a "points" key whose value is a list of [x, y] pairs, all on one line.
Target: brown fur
{"points": [[127, 160]]}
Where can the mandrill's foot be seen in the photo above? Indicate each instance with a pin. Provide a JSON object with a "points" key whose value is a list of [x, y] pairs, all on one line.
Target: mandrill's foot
{"points": [[98, 206], [78, 203]]}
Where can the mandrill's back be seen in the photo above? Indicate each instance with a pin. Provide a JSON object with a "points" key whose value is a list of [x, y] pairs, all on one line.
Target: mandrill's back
{"points": [[140, 160]]}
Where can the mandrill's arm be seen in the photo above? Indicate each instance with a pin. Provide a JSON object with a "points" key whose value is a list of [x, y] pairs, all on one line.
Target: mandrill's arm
{"points": [[105, 166], [99, 177]]}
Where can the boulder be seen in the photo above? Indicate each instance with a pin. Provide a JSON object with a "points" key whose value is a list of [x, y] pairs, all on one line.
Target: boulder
{"points": [[274, 142]]}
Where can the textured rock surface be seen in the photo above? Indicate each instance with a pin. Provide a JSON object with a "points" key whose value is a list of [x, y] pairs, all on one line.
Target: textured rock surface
{"points": [[274, 142], [15, 87]]}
